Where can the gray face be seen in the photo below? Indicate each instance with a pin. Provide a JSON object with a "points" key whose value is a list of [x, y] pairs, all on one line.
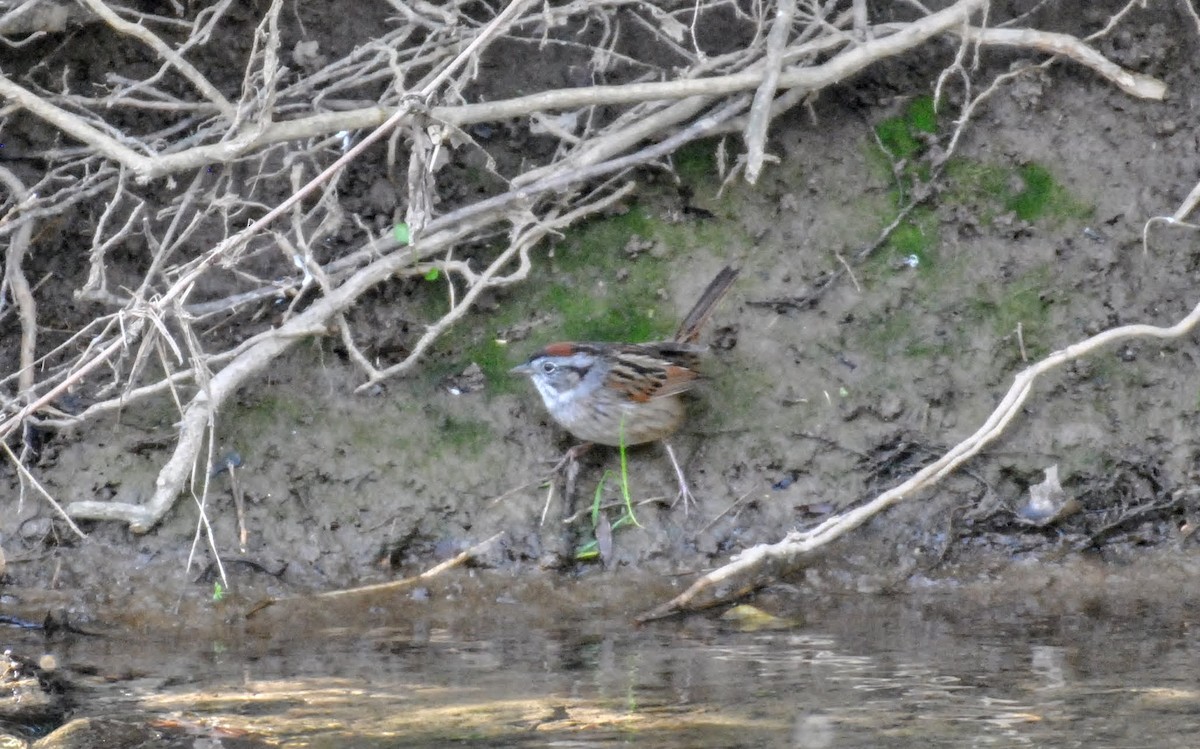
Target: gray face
{"points": [[557, 378]]}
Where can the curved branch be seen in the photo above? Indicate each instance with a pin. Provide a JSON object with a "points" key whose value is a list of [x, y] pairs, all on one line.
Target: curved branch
{"points": [[756, 566], [1134, 84]]}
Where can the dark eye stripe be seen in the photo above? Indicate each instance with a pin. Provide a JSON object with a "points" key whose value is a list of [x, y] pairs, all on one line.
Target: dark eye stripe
{"points": [[559, 367]]}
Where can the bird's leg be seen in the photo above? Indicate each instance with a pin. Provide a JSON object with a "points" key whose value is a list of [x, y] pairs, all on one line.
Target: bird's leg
{"points": [[569, 468], [684, 492], [571, 456]]}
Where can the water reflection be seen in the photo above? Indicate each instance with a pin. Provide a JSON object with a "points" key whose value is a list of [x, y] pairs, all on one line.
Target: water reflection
{"points": [[856, 672]]}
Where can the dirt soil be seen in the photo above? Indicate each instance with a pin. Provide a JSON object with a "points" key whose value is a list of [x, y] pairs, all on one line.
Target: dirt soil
{"points": [[814, 402]]}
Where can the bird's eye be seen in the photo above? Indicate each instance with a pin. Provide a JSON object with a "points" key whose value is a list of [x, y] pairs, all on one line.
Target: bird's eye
{"points": [[548, 367]]}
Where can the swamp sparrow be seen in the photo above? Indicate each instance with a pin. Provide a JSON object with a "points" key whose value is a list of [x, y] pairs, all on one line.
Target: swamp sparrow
{"points": [[625, 393]]}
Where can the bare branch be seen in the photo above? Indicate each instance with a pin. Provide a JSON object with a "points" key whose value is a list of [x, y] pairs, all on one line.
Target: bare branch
{"points": [[1134, 84], [760, 109], [18, 286], [76, 127], [164, 51]]}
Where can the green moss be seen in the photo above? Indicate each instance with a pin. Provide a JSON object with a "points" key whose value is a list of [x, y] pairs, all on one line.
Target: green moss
{"points": [[1034, 198], [588, 300], [620, 316], [430, 299], [921, 115], [900, 141], [493, 358], [1042, 196], [597, 244], [908, 238], [899, 135], [1030, 191], [993, 309], [916, 240], [897, 139], [984, 189]]}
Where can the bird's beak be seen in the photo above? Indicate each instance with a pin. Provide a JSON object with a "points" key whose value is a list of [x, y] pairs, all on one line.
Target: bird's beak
{"points": [[521, 369]]}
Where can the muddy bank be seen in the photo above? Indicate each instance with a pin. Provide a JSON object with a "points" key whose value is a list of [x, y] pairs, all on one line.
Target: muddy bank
{"points": [[814, 402]]}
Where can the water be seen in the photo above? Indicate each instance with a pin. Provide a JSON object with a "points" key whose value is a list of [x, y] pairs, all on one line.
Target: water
{"points": [[484, 667]]}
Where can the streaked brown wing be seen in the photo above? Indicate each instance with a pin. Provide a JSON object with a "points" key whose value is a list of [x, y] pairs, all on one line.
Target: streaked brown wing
{"points": [[654, 370]]}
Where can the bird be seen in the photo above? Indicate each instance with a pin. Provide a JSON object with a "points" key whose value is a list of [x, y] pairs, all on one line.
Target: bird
{"points": [[625, 394]]}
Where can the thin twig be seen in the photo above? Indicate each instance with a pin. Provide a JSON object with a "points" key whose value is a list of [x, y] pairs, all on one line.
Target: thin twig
{"points": [[849, 271], [27, 476], [394, 586]]}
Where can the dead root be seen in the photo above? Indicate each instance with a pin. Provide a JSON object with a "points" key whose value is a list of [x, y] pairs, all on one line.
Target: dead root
{"points": [[766, 563]]}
